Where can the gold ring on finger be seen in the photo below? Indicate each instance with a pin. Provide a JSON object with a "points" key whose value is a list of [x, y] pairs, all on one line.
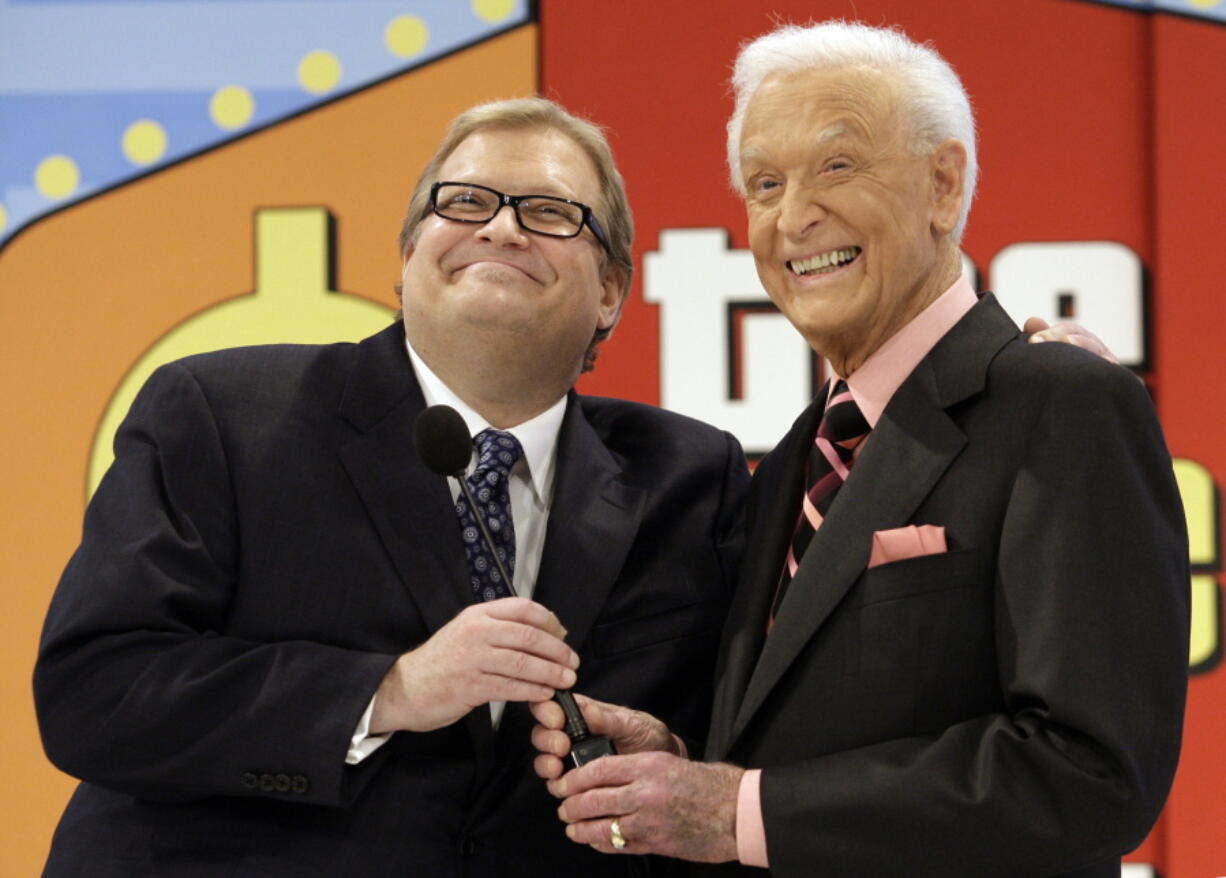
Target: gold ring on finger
{"points": [[615, 836]]}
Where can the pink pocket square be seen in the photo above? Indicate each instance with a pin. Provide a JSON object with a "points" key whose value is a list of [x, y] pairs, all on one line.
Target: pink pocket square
{"points": [[900, 543]]}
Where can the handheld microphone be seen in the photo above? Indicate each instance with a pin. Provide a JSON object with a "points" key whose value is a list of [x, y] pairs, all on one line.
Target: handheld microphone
{"points": [[444, 444]]}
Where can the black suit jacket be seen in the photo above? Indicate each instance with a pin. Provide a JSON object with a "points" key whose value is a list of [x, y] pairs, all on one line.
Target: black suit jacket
{"points": [[1010, 707], [265, 545]]}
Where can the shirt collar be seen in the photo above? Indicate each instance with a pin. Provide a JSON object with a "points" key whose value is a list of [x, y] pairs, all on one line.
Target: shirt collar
{"points": [[875, 382], [538, 436]]}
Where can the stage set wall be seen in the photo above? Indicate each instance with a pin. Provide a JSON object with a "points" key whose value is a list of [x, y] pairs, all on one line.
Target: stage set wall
{"points": [[1100, 141]]}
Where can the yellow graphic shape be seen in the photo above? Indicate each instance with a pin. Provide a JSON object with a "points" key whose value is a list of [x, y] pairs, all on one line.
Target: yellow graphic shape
{"points": [[1206, 634], [1199, 495], [4, 218], [1205, 4], [493, 10], [319, 72], [406, 36], [57, 176], [292, 303], [144, 142], [231, 106]]}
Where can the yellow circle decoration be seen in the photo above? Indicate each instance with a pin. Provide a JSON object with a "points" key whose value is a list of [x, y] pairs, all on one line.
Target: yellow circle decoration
{"points": [[406, 36], [4, 218], [1205, 4], [57, 176], [493, 10], [319, 71], [144, 142], [231, 107]]}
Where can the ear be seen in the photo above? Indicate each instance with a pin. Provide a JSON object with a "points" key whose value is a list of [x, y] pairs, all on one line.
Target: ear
{"points": [[948, 167], [613, 292]]}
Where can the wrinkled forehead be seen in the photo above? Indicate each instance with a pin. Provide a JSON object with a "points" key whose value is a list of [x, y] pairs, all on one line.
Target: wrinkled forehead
{"points": [[823, 105], [758, 148]]}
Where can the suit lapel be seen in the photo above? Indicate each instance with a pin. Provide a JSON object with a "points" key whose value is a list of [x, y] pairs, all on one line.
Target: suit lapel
{"points": [[912, 446], [593, 520], [409, 505], [778, 483]]}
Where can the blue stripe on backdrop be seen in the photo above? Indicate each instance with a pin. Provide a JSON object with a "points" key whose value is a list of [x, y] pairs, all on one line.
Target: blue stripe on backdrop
{"points": [[74, 76], [1211, 9]]}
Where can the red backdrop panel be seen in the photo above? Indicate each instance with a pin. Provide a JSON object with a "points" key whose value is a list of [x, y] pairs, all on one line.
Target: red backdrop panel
{"points": [[1096, 123]]}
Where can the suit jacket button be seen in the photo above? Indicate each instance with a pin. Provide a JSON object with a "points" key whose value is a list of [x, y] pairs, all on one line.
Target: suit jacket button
{"points": [[267, 783], [283, 783], [250, 781], [299, 784]]}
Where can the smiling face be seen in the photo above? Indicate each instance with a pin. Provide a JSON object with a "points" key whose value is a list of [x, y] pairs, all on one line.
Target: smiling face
{"points": [[497, 286], [849, 230]]}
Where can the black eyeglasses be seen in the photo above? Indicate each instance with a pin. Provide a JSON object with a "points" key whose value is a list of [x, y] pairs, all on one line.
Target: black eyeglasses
{"points": [[541, 214]]}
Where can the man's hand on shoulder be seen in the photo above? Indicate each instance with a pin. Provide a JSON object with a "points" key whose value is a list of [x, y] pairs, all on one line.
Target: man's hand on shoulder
{"points": [[505, 650], [1075, 334]]}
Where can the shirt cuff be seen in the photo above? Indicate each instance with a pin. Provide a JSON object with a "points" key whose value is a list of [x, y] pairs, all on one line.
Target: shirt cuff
{"points": [[363, 743], [750, 830]]}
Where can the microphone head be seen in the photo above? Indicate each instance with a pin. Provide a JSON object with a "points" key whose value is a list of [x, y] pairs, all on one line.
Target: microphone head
{"points": [[442, 440]]}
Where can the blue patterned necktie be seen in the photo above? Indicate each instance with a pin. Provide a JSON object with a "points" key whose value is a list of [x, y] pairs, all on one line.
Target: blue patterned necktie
{"points": [[497, 452]]}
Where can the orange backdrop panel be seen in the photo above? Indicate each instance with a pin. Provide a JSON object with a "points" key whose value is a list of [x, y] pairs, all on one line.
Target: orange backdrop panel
{"points": [[86, 291]]}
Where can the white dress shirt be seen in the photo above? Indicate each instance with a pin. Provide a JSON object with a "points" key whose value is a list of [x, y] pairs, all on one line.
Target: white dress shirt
{"points": [[531, 491]]}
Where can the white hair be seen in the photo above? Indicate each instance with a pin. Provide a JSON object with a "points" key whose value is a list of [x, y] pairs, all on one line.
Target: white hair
{"points": [[932, 94]]}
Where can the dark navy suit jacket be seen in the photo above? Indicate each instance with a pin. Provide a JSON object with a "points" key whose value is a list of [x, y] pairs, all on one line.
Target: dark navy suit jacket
{"points": [[265, 545]]}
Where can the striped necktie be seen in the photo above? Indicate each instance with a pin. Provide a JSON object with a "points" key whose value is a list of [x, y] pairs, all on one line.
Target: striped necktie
{"points": [[842, 429]]}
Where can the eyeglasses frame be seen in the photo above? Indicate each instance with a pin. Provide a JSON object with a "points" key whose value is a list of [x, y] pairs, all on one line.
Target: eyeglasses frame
{"points": [[513, 201]]}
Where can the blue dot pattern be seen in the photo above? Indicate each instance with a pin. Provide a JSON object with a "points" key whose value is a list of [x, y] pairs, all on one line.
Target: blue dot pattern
{"points": [[497, 452]]}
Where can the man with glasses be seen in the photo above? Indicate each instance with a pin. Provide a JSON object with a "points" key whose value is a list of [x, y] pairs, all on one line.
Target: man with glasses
{"points": [[281, 650]]}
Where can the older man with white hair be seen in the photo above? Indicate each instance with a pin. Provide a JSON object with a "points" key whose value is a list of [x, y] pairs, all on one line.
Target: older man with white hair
{"points": [[958, 644]]}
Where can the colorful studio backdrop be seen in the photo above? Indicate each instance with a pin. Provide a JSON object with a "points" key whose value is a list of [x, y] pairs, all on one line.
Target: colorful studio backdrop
{"points": [[183, 175]]}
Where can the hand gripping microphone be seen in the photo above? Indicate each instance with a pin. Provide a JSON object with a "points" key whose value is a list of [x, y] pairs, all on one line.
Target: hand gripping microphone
{"points": [[445, 446]]}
